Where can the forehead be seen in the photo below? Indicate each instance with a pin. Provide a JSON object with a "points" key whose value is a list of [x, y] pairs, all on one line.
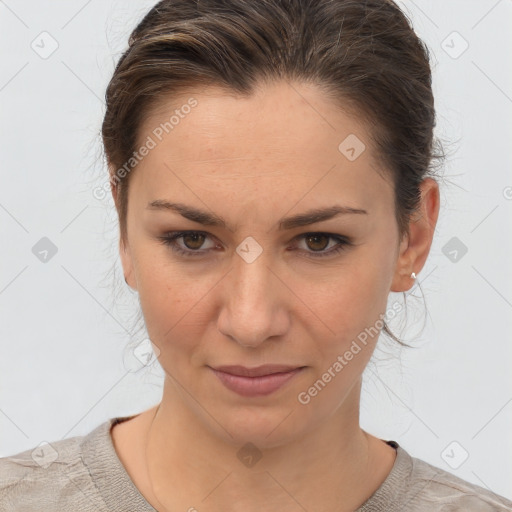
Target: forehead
{"points": [[285, 135]]}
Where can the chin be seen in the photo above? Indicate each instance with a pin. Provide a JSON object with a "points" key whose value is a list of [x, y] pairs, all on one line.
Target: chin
{"points": [[264, 426]]}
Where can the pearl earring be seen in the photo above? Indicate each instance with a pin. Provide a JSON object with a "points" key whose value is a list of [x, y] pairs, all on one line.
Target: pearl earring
{"points": [[413, 275]]}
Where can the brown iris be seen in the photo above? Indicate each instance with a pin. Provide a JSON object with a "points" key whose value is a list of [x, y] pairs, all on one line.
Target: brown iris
{"points": [[316, 246], [197, 240]]}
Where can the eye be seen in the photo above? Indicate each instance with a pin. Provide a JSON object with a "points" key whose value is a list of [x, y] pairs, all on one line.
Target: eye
{"points": [[194, 240], [318, 242]]}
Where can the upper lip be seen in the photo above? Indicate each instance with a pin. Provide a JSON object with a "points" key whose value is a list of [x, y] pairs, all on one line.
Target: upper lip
{"points": [[257, 371]]}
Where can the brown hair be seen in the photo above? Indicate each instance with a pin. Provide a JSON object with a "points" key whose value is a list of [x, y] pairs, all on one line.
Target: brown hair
{"points": [[363, 54]]}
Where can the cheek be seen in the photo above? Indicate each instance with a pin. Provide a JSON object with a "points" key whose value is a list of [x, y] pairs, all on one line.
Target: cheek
{"points": [[351, 296], [349, 307], [175, 310]]}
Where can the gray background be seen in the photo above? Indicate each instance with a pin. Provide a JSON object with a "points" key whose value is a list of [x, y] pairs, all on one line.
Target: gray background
{"points": [[66, 325]]}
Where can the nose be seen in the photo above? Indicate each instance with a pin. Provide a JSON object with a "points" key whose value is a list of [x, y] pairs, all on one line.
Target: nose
{"points": [[256, 302]]}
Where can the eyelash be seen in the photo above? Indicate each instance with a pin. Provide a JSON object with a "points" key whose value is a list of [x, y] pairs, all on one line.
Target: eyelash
{"points": [[170, 240]]}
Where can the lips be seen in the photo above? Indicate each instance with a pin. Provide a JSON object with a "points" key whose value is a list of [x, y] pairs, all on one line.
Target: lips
{"points": [[258, 381], [258, 371]]}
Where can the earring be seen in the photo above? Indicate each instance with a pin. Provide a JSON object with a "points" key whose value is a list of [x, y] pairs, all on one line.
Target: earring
{"points": [[413, 275]]}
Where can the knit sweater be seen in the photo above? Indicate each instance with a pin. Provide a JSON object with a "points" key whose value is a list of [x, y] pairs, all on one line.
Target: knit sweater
{"points": [[84, 474]]}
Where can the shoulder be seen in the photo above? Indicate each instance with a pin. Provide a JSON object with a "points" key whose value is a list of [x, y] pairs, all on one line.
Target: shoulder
{"points": [[433, 488], [50, 476]]}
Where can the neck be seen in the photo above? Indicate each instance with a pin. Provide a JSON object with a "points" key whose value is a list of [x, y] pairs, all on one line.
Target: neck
{"points": [[189, 467]]}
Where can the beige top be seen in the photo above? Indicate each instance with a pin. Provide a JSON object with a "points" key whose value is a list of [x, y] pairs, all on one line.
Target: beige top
{"points": [[84, 473]]}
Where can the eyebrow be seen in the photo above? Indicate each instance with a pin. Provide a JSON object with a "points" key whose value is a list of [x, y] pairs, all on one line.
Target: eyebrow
{"points": [[211, 219]]}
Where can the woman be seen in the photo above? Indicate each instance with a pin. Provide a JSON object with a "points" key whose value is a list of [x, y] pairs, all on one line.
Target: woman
{"points": [[271, 164]]}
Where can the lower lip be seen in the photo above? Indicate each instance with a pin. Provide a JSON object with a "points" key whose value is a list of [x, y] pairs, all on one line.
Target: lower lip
{"points": [[255, 386]]}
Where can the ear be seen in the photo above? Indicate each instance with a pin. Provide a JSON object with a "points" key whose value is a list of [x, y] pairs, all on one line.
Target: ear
{"points": [[414, 249], [124, 249]]}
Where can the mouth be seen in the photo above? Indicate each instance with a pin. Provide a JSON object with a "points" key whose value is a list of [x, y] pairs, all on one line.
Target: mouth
{"points": [[258, 381], [257, 371]]}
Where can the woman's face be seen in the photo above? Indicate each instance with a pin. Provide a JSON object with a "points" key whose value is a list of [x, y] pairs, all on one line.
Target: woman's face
{"points": [[258, 290]]}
